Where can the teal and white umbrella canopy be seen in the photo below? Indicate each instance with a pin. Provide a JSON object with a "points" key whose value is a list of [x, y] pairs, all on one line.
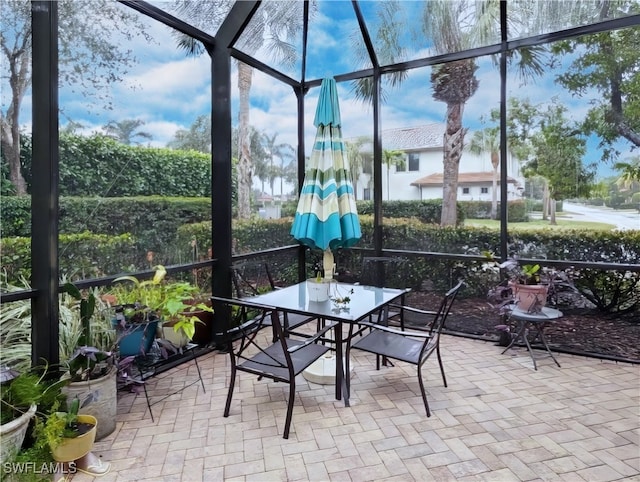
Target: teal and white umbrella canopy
{"points": [[326, 217]]}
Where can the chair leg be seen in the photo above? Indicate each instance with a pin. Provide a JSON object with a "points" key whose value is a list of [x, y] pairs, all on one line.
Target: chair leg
{"points": [[232, 382], [444, 379], [422, 390], [292, 399]]}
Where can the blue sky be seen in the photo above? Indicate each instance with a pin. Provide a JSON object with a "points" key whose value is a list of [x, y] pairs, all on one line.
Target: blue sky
{"points": [[168, 90]]}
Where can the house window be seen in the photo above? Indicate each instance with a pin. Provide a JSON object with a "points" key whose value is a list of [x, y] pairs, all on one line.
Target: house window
{"points": [[465, 190], [414, 162], [366, 194], [367, 164], [484, 190]]}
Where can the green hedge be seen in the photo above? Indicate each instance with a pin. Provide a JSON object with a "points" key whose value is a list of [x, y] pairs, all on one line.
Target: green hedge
{"points": [[152, 220], [99, 165], [86, 255], [429, 211], [82, 255], [516, 210]]}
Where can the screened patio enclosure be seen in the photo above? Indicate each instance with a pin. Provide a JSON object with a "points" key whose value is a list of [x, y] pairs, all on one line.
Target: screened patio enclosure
{"points": [[420, 83]]}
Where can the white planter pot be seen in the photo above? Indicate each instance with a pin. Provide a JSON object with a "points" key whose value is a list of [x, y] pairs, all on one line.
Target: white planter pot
{"points": [[178, 339], [98, 398], [318, 291], [12, 434]]}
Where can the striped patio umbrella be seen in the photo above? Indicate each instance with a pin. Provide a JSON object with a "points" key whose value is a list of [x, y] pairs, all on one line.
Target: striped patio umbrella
{"points": [[326, 217]]}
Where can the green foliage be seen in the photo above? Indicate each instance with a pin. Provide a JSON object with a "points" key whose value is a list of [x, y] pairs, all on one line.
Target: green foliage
{"points": [[89, 360], [611, 291], [15, 216], [159, 298], [611, 80], [101, 166], [81, 255], [429, 211], [19, 394], [516, 210]]}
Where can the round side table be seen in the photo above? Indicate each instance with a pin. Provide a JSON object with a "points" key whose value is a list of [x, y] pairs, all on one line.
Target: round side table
{"points": [[537, 322]]}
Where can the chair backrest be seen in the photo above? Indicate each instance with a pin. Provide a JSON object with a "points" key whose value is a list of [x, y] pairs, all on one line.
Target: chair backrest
{"points": [[439, 320], [250, 279], [244, 342], [376, 270]]}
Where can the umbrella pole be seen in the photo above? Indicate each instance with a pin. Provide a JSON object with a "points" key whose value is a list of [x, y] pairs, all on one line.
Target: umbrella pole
{"points": [[328, 264]]}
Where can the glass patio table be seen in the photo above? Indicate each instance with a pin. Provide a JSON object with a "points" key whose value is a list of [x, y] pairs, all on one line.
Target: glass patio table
{"points": [[365, 301]]}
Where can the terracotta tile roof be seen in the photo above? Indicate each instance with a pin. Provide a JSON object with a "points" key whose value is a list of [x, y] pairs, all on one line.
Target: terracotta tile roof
{"points": [[463, 178]]}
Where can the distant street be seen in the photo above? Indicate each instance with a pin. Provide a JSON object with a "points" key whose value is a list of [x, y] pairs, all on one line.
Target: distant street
{"points": [[621, 219]]}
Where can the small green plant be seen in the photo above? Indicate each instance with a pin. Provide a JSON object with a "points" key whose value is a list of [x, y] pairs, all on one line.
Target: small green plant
{"points": [[157, 298], [87, 362], [19, 394]]}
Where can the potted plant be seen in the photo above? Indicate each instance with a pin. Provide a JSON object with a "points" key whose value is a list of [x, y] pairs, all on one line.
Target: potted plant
{"points": [[318, 288], [528, 286], [70, 437], [156, 300], [88, 353], [24, 397], [19, 395]]}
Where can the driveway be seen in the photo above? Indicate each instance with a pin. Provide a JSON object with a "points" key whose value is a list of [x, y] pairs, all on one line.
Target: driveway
{"points": [[626, 219]]}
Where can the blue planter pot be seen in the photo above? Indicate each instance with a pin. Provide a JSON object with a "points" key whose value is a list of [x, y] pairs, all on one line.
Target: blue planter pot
{"points": [[137, 338]]}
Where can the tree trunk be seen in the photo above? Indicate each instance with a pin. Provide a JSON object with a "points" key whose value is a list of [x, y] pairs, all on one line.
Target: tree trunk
{"points": [[453, 145], [545, 201], [244, 142], [552, 211], [494, 195], [10, 126]]}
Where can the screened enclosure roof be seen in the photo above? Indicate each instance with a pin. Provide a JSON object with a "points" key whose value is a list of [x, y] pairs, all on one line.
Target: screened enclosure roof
{"points": [[305, 41]]}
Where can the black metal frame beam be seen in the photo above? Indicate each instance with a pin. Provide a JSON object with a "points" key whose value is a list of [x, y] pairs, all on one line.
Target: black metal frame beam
{"points": [[44, 198], [221, 214]]}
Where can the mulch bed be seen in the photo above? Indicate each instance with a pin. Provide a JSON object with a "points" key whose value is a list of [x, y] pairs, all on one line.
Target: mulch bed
{"points": [[580, 330]]}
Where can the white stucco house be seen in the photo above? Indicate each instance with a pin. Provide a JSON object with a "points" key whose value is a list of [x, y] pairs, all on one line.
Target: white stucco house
{"points": [[421, 175]]}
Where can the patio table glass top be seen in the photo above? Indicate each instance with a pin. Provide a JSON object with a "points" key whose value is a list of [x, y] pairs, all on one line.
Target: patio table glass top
{"points": [[364, 300]]}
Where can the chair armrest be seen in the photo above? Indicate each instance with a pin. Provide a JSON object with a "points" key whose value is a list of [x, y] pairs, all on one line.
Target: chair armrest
{"points": [[375, 326], [413, 310], [313, 339]]}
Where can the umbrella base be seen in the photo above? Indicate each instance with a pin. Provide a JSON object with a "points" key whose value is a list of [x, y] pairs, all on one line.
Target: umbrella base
{"points": [[323, 371]]}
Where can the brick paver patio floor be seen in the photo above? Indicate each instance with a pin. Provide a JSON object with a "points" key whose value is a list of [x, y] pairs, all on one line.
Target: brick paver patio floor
{"points": [[499, 420]]}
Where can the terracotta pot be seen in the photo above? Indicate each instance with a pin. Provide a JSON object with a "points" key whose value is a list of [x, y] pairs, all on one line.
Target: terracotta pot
{"points": [[97, 398], [71, 449], [530, 298], [12, 434], [204, 330]]}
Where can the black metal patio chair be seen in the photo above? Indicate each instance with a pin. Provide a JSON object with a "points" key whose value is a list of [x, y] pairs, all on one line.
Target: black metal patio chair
{"points": [[413, 347], [280, 361], [248, 281]]}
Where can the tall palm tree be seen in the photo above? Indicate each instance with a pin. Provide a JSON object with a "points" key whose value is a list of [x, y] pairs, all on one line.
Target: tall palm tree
{"points": [[126, 130], [391, 158], [356, 160], [452, 27], [274, 23], [273, 150], [488, 140]]}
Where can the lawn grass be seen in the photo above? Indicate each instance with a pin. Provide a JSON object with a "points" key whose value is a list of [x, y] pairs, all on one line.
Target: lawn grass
{"points": [[563, 225]]}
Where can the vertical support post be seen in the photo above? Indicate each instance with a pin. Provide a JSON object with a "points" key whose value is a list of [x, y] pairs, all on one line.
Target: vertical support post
{"points": [[221, 213], [44, 188], [504, 208]]}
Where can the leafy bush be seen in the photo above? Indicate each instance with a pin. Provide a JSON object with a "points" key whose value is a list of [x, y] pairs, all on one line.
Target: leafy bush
{"points": [[99, 165], [83, 255]]}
